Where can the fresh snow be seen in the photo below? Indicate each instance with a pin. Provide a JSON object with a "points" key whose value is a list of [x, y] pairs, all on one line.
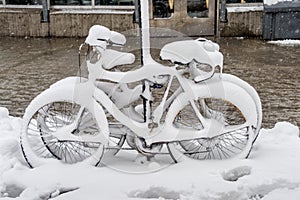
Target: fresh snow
{"points": [[94, 11], [271, 173], [271, 2], [286, 42], [244, 8]]}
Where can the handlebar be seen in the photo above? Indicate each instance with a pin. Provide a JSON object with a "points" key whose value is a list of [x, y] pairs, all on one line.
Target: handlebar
{"points": [[200, 72], [102, 36]]}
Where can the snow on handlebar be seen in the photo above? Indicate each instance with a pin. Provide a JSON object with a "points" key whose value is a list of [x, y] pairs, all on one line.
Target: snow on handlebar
{"points": [[102, 36]]}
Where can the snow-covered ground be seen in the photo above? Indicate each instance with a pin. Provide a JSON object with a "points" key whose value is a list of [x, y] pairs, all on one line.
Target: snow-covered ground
{"points": [[244, 8], [271, 173], [286, 42], [271, 2]]}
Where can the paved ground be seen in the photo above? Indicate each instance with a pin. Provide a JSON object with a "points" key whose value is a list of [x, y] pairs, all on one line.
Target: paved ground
{"points": [[28, 66]]}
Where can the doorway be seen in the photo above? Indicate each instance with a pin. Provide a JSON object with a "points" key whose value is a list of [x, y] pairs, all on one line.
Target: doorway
{"points": [[191, 17]]}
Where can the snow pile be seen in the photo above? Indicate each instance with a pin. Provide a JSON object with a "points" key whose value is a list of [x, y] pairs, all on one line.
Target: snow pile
{"points": [[9, 140], [244, 8], [93, 11], [271, 173], [271, 2], [286, 42]]}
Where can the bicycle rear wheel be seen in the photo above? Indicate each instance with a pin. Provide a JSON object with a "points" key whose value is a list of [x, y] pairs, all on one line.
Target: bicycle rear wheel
{"points": [[56, 111]]}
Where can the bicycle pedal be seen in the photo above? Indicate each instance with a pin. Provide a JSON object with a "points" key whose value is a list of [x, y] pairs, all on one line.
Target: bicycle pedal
{"points": [[157, 86]]}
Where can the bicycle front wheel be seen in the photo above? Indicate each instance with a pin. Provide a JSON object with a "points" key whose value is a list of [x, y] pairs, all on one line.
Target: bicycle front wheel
{"points": [[233, 122]]}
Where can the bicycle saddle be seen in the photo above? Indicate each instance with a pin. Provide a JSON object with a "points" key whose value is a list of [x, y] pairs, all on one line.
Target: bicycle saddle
{"points": [[201, 50], [111, 58]]}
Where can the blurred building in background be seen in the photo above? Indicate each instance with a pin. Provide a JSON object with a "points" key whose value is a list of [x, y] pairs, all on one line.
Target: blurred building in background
{"points": [[72, 18]]}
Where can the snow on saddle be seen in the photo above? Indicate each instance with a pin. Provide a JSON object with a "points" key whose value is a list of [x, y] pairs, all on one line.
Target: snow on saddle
{"points": [[112, 58]]}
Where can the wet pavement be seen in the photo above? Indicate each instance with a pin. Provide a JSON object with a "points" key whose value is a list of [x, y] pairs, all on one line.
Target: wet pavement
{"points": [[29, 66], [274, 71]]}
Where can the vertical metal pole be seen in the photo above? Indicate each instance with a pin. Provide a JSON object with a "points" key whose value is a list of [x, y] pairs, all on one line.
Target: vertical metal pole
{"points": [[223, 12], [136, 17], [216, 18], [45, 11], [150, 9]]}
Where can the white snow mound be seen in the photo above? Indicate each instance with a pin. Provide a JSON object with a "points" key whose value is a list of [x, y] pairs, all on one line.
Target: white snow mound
{"points": [[271, 173], [271, 2], [287, 42]]}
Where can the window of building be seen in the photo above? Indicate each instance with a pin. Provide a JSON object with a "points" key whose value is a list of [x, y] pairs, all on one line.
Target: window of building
{"points": [[105, 2], [115, 2], [126, 2], [197, 8], [70, 2], [23, 2], [244, 1], [163, 8]]}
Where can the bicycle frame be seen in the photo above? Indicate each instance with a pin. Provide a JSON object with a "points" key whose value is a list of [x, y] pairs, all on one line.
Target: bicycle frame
{"points": [[152, 73]]}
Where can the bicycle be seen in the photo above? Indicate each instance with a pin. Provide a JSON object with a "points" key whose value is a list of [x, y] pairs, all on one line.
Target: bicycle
{"points": [[210, 115]]}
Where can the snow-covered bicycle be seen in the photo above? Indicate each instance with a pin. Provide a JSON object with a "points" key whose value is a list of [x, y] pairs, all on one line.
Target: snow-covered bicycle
{"points": [[198, 113]]}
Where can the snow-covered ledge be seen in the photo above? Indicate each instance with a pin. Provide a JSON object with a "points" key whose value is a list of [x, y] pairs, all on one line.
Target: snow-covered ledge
{"points": [[92, 11], [244, 20], [244, 7], [272, 2]]}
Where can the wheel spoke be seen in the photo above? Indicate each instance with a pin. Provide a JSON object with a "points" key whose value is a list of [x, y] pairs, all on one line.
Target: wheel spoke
{"points": [[52, 117], [231, 141]]}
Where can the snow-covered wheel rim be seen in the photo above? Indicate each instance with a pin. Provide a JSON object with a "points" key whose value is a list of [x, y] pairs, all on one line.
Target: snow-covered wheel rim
{"points": [[224, 146], [255, 97], [234, 107], [55, 109]]}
